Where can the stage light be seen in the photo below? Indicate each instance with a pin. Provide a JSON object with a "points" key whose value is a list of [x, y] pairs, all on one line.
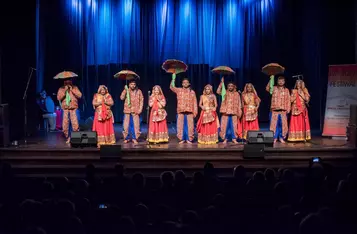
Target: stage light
{"points": [[187, 8], [164, 12], [128, 4], [264, 5], [232, 9]]}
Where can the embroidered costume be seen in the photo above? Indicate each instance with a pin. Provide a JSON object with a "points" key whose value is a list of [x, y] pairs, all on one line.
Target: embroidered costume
{"points": [[68, 96], [208, 123], [133, 106], [186, 111], [251, 103], [299, 129], [103, 117], [280, 107], [231, 112], [157, 132]]}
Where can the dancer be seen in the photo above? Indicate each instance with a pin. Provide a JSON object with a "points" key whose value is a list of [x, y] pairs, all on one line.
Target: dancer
{"points": [[251, 103], [186, 110], [133, 106], [280, 107], [103, 117], [68, 95], [208, 123], [231, 112], [299, 129], [157, 132]]}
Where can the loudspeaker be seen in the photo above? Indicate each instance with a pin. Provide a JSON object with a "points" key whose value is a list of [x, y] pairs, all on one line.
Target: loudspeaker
{"points": [[261, 137], [254, 151], [4, 125], [353, 115], [110, 151], [84, 139]]}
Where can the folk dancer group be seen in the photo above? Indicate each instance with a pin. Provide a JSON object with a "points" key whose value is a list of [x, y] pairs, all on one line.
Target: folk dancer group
{"points": [[239, 113]]}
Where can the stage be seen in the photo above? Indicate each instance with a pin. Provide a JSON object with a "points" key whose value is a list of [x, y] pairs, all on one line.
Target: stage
{"points": [[47, 154]]}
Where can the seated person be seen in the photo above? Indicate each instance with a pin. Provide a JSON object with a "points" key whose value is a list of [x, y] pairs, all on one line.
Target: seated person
{"points": [[47, 107]]}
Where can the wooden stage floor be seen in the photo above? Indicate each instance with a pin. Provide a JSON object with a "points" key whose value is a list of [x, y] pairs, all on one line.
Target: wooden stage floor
{"points": [[48, 155]]}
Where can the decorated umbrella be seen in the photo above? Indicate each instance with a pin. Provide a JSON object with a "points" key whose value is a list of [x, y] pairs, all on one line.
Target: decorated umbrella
{"points": [[127, 75], [271, 70], [65, 75], [174, 66], [223, 71]]}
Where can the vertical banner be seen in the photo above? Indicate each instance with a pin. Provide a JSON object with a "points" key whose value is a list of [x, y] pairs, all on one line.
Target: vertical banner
{"points": [[341, 93]]}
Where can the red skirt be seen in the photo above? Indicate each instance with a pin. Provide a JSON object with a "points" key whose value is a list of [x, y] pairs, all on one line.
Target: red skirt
{"points": [[250, 125], [207, 132], [105, 130], [299, 129], [158, 132]]}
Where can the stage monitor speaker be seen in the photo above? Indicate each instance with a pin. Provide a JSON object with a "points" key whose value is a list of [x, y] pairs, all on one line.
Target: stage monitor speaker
{"points": [[353, 115], [4, 125], [253, 151], [84, 139], [261, 137], [110, 151]]}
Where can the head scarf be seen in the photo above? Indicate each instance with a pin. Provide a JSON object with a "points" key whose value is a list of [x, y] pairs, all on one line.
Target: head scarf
{"points": [[161, 94], [210, 88], [102, 87], [302, 84], [245, 91]]}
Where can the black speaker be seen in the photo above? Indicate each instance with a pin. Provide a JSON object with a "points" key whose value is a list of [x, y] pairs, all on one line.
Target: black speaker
{"points": [[84, 139], [4, 125], [110, 151], [353, 115], [261, 137], [253, 151]]}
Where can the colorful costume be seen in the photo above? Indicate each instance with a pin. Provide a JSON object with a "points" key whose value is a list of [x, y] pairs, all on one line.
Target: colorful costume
{"points": [[157, 132], [186, 111], [251, 103], [132, 110], [208, 123], [103, 117], [280, 107], [68, 96], [231, 111], [299, 122]]}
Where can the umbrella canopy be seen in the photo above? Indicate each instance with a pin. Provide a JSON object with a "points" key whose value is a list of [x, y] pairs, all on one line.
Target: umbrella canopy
{"points": [[65, 75], [273, 69], [174, 66], [127, 75], [223, 70]]}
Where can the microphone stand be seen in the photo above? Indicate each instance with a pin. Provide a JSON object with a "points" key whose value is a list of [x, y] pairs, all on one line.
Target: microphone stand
{"points": [[148, 114], [25, 104], [242, 117]]}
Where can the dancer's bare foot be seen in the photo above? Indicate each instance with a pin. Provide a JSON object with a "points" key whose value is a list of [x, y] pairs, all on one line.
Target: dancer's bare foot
{"points": [[275, 141], [181, 142], [126, 141], [225, 141], [189, 142], [235, 141], [135, 141], [98, 146], [282, 140], [68, 140]]}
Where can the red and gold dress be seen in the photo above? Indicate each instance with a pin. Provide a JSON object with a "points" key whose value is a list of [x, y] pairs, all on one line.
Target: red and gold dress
{"points": [[299, 129], [103, 117], [158, 132], [251, 103], [208, 123]]}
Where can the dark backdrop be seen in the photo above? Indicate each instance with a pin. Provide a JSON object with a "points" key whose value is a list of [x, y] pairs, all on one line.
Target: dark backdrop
{"points": [[306, 37]]}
